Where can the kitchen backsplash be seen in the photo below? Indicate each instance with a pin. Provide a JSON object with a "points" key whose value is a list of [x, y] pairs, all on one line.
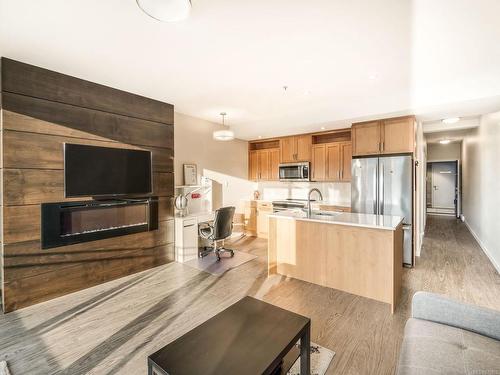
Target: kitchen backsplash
{"points": [[338, 193]]}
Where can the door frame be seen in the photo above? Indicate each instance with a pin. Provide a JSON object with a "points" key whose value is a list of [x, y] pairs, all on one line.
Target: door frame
{"points": [[458, 184]]}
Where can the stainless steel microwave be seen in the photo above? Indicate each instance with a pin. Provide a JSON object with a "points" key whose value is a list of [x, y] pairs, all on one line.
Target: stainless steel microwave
{"points": [[294, 172]]}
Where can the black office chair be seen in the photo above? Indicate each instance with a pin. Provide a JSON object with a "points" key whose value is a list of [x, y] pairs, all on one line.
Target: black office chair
{"points": [[221, 229]]}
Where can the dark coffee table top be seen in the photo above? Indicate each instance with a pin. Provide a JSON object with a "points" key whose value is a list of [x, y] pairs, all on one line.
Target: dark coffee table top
{"points": [[249, 337]]}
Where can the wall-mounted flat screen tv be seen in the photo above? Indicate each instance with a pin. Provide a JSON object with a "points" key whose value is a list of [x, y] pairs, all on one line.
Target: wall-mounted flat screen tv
{"points": [[104, 171]]}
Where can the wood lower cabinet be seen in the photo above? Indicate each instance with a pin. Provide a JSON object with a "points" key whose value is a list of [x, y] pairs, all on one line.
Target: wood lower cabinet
{"points": [[264, 209], [331, 162], [384, 137], [296, 149], [263, 165], [250, 218]]}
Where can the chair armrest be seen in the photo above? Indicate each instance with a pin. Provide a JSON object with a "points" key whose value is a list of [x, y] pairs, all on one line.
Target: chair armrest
{"points": [[440, 309], [203, 226]]}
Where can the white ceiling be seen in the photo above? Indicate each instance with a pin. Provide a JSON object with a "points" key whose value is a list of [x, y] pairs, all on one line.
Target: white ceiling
{"points": [[433, 58]]}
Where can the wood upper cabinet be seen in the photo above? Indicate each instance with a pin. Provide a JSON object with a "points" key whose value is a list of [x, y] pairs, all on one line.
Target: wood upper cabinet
{"points": [[274, 163], [318, 163], [296, 149], [333, 162], [253, 165], [398, 135], [263, 165], [389, 136], [366, 138], [346, 158]]}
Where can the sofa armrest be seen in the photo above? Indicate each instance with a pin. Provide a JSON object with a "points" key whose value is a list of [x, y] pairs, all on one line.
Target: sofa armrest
{"points": [[440, 309]]}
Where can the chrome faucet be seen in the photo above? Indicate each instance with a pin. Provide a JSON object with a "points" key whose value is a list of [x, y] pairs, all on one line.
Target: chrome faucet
{"points": [[309, 199]]}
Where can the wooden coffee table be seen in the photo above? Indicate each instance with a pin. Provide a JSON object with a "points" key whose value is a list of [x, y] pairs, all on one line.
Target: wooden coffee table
{"points": [[250, 337]]}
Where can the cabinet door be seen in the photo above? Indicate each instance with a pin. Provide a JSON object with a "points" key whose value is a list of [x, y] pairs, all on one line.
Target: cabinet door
{"points": [[263, 219], [264, 165], [287, 147], [274, 162], [303, 148], [250, 217], [253, 165], [398, 135], [366, 138], [318, 163], [333, 162], [346, 158]]}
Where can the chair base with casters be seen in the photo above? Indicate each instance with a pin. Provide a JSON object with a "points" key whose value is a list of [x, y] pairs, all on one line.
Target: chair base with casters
{"points": [[216, 250], [220, 230]]}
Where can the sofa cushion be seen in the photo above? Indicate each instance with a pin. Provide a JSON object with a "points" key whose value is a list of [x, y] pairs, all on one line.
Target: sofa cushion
{"points": [[433, 348]]}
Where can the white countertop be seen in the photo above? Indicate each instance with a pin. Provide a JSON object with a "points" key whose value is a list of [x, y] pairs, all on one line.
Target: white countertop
{"points": [[344, 218]]}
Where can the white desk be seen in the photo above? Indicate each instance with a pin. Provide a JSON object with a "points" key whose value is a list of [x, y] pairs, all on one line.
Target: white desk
{"points": [[186, 235]]}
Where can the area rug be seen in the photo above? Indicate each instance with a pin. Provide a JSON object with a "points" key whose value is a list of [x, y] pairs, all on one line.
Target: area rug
{"points": [[320, 360], [4, 370], [209, 263]]}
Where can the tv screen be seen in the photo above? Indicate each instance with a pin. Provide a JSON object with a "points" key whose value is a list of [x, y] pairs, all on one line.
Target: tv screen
{"points": [[104, 171]]}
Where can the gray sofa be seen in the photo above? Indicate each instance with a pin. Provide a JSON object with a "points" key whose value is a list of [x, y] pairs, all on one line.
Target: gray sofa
{"points": [[444, 336]]}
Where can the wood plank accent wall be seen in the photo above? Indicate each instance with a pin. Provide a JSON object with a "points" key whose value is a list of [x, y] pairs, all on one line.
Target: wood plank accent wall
{"points": [[41, 110]]}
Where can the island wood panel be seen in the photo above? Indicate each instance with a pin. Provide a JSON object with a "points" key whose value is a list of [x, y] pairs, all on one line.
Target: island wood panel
{"points": [[356, 260], [46, 151], [34, 289], [109, 125], [29, 80], [38, 117]]}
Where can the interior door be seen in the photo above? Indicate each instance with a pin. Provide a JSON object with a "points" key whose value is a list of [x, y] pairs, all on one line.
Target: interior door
{"points": [[364, 185], [444, 176], [333, 162], [318, 162]]}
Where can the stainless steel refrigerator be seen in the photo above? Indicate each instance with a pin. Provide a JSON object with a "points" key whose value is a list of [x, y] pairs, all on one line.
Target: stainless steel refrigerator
{"points": [[383, 186]]}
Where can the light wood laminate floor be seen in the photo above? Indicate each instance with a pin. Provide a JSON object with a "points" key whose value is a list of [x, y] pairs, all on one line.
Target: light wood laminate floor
{"points": [[110, 329]]}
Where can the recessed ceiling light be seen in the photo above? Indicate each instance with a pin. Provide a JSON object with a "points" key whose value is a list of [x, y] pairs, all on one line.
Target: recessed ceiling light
{"points": [[322, 128], [451, 120], [166, 10], [444, 141], [260, 137]]}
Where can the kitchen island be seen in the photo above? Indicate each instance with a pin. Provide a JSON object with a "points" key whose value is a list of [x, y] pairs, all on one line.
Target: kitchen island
{"points": [[356, 253]]}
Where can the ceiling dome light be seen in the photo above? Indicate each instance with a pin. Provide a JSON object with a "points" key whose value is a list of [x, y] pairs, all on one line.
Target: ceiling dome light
{"points": [[451, 120], [166, 10], [444, 141], [223, 135]]}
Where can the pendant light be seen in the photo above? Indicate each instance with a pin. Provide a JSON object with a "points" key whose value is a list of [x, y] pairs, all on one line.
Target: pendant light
{"points": [[166, 10], [225, 134]]}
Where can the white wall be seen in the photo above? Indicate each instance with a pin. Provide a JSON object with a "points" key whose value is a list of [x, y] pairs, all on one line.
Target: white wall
{"points": [[481, 184], [421, 157], [440, 152], [225, 162]]}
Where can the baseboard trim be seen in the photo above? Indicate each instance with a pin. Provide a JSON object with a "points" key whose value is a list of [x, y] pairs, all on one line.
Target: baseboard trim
{"points": [[481, 245]]}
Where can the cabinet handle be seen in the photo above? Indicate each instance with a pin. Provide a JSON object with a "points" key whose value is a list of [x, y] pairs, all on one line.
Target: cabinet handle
{"points": [[383, 146], [379, 148]]}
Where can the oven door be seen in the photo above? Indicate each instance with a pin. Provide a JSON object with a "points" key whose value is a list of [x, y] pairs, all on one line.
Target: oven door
{"points": [[294, 172]]}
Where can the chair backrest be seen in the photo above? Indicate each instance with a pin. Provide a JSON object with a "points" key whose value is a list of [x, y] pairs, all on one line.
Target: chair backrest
{"points": [[223, 223]]}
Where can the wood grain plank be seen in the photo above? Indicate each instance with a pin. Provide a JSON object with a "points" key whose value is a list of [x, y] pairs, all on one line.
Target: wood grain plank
{"points": [[108, 125], [163, 235], [30, 80], [35, 186], [28, 150], [27, 291], [22, 223]]}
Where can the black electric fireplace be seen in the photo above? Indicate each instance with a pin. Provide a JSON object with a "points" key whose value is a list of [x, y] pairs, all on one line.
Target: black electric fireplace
{"points": [[68, 223]]}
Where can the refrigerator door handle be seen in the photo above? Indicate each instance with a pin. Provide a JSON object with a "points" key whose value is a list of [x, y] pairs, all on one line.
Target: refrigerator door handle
{"points": [[375, 201], [381, 188]]}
